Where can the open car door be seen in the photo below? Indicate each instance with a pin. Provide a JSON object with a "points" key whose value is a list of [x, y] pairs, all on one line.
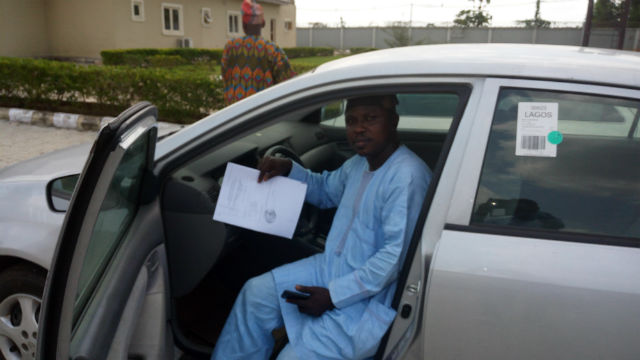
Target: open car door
{"points": [[108, 258]]}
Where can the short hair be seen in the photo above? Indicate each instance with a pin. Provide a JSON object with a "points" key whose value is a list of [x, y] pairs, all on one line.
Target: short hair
{"points": [[386, 102]]}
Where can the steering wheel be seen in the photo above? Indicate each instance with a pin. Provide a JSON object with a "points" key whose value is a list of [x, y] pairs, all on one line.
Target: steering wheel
{"points": [[281, 151], [306, 229]]}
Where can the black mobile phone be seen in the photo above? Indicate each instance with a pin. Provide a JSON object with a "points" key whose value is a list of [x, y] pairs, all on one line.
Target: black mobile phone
{"points": [[288, 294]]}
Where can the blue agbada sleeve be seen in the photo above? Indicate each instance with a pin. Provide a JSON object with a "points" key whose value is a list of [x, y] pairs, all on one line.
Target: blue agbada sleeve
{"points": [[399, 214], [323, 190]]}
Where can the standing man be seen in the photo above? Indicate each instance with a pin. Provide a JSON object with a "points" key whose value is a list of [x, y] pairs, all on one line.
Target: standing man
{"points": [[379, 194], [251, 63]]}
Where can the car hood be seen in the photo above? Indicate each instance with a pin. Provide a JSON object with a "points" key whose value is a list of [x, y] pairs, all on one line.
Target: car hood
{"points": [[52, 165]]}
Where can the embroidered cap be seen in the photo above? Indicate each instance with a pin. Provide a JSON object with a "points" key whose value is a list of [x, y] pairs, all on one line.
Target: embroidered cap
{"points": [[252, 13]]}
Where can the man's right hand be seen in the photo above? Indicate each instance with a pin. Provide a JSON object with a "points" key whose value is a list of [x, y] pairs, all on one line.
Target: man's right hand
{"points": [[272, 166]]}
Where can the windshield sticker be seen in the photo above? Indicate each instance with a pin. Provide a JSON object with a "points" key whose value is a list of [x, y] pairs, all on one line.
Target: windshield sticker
{"points": [[537, 133], [555, 137]]}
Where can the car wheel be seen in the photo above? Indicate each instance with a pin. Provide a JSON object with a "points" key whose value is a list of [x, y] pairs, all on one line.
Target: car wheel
{"points": [[21, 290]]}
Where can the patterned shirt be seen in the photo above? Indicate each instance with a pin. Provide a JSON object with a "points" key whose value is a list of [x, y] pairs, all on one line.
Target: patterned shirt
{"points": [[251, 64]]}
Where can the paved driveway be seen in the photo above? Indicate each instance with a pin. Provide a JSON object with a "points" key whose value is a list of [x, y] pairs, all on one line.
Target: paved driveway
{"points": [[20, 142]]}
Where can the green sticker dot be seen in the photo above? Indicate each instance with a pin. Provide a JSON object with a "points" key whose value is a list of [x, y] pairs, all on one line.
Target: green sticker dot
{"points": [[555, 137]]}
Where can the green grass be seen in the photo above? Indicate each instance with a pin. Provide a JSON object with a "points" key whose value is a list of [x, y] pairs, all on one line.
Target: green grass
{"points": [[300, 65]]}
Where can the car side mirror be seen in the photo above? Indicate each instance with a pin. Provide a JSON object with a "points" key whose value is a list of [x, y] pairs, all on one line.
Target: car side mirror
{"points": [[59, 192], [332, 111]]}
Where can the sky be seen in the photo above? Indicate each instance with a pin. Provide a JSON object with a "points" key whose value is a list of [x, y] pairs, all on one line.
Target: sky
{"points": [[437, 12]]}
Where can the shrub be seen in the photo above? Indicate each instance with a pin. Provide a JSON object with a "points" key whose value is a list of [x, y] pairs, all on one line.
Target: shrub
{"points": [[181, 96], [144, 57], [183, 93], [168, 57], [166, 60], [360, 50]]}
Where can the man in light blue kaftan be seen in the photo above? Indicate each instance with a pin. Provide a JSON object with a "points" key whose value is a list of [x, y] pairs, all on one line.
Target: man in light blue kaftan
{"points": [[378, 194]]}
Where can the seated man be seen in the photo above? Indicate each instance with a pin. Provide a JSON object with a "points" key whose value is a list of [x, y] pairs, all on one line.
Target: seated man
{"points": [[379, 193]]}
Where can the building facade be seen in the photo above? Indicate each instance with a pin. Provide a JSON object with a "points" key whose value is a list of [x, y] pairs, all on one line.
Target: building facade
{"points": [[82, 28]]}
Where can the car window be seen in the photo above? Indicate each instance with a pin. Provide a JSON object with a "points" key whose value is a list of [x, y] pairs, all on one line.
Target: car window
{"points": [[560, 161], [117, 211], [426, 111]]}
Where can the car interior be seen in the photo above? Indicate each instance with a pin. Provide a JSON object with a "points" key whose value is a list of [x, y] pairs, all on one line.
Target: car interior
{"points": [[209, 261]]}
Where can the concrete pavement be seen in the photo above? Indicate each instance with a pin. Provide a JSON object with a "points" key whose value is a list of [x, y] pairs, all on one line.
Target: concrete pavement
{"points": [[53, 119], [20, 140]]}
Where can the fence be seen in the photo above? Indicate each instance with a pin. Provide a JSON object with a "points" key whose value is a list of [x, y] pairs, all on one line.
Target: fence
{"points": [[345, 38]]}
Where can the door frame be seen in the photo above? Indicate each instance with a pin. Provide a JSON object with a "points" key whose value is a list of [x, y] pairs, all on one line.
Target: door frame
{"points": [[60, 291]]}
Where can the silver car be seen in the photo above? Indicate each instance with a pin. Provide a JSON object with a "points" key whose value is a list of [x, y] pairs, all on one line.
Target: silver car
{"points": [[528, 244], [35, 195], [30, 229]]}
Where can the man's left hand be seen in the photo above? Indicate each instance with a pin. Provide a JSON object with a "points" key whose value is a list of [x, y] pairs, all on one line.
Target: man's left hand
{"points": [[316, 304]]}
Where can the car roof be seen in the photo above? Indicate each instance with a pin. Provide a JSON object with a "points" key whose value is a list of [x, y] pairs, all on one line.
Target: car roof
{"points": [[554, 62], [526, 61]]}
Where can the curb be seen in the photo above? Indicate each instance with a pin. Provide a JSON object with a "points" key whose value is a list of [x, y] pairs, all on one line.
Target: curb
{"points": [[54, 119], [69, 121]]}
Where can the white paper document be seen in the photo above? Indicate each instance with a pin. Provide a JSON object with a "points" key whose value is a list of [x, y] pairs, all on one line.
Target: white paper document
{"points": [[272, 206]]}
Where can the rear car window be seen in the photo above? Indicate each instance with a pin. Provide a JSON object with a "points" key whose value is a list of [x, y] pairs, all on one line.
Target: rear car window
{"points": [[432, 112], [560, 161]]}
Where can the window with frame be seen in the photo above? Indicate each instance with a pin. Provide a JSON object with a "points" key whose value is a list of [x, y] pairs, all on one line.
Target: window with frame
{"points": [[288, 25], [137, 10], [116, 214], [578, 173], [233, 23], [172, 23]]}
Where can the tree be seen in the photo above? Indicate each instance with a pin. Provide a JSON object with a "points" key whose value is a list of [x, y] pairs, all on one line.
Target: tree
{"points": [[400, 35], [537, 21], [609, 13], [617, 13], [476, 17], [634, 14], [624, 17], [318, 25], [606, 13], [612, 13]]}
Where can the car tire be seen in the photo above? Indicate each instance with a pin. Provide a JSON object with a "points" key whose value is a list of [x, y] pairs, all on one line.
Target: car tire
{"points": [[21, 288]]}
